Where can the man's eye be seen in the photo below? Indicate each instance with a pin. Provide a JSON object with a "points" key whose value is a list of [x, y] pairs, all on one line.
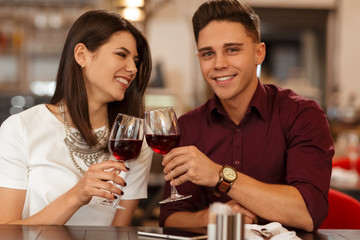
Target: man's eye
{"points": [[232, 50], [207, 54]]}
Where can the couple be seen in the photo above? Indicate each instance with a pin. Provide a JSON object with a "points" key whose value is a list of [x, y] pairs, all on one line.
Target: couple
{"points": [[275, 144]]}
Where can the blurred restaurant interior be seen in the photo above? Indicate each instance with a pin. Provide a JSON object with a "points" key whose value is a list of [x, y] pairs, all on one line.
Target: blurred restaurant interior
{"points": [[311, 45]]}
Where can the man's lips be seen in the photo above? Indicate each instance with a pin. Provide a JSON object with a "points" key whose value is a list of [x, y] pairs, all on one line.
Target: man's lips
{"points": [[224, 78]]}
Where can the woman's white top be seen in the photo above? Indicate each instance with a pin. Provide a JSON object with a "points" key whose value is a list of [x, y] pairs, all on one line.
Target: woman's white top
{"points": [[34, 157]]}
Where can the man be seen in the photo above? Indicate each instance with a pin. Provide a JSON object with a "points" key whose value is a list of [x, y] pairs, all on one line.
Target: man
{"points": [[263, 150]]}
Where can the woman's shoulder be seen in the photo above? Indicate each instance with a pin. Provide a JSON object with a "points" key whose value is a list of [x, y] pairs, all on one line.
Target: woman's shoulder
{"points": [[29, 116]]}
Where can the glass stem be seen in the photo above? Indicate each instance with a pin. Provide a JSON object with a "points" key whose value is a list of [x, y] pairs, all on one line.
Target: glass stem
{"points": [[174, 192]]}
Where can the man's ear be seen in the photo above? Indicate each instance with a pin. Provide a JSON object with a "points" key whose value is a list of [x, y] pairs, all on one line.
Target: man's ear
{"points": [[80, 54], [260, 53]]}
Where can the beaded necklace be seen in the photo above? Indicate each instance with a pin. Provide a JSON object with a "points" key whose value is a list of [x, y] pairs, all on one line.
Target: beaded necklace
{"points": [[80, 150]]}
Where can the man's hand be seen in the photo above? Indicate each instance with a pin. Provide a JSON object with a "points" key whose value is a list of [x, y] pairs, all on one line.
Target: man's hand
{"points": [[189, 164], [249, 217]]}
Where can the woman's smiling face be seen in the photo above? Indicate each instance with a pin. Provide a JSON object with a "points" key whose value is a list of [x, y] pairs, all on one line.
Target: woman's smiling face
{"points": [[110, 70]]}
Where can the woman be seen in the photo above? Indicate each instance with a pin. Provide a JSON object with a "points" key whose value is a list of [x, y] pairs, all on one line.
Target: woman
{"points": [[54, 157]]}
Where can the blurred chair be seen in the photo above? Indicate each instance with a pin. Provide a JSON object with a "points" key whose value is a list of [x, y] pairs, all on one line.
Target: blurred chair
{"points": [[344, 162], [344, 212]]}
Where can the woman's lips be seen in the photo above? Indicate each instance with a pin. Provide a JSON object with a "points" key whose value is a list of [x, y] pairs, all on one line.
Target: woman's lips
{"points": [[122, 80]]}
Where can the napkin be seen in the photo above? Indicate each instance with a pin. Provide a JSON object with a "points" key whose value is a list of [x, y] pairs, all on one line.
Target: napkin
{"points": [[273, 231]]}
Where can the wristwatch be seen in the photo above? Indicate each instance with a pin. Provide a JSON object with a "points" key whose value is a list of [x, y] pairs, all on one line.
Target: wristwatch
{"points": [[227, 177]]}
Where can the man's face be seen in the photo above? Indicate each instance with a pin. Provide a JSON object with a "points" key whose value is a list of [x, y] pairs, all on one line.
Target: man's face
{"points": [[228, 59]]}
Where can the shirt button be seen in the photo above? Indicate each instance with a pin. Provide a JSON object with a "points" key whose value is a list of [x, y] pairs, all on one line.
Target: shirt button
{"points": [[237, 162], [237, 130]]}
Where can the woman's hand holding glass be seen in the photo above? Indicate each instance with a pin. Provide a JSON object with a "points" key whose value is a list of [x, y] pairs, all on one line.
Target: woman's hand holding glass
{"points": [[125, 142], [97, 181], [102, 179]]}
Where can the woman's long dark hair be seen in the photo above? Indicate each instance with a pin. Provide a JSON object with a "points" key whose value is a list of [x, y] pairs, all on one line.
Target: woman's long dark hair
{"points": [[93, 29]]}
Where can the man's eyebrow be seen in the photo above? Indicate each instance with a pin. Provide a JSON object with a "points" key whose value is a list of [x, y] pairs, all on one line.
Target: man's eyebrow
{"points": [[233, 44], [205, 49], [225, 45]]}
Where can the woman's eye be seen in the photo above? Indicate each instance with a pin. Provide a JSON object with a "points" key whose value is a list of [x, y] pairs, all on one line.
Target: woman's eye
{"points": [[121, 54]]}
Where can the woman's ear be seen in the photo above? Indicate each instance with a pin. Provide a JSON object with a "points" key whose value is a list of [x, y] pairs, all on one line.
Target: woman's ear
{"points": [[260, 53], [80, 54]]}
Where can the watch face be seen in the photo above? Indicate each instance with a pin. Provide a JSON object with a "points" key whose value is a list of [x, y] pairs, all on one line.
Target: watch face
{"points": [[229, 174]]}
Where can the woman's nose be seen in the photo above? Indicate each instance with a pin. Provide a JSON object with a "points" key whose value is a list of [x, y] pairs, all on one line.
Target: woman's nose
{"points": [[131, 66]]}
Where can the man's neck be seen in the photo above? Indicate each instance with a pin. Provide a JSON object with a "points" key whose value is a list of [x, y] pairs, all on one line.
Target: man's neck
{"points": [[237, 107]]}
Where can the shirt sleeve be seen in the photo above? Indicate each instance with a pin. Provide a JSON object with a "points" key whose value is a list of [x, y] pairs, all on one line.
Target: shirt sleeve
{"points": [[138, 176], [309, 159], [13, 165]]}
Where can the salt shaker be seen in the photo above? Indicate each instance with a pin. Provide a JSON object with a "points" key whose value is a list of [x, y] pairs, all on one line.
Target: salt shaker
{"points": [[229, 227]]}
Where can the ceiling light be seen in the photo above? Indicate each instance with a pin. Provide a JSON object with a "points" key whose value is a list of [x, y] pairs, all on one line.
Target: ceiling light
{"points": [[131, 3], [133, 14]]}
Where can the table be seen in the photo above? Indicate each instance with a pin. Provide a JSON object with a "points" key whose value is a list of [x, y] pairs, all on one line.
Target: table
{"points": [[22, 232]]}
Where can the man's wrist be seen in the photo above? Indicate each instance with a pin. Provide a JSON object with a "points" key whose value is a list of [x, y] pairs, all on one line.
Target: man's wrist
{"points": [[216, 176], [227, 177]]}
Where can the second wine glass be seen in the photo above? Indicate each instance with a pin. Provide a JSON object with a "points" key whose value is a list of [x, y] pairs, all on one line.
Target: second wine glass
{"points": [[163, 134], [125, 141]]}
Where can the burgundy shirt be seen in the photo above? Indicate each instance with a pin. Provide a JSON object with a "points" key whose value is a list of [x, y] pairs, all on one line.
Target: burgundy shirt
{"points": [[283, 139]]}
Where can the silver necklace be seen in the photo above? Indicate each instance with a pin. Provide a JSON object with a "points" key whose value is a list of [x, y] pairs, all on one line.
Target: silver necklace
{"points": [[79, 149]]}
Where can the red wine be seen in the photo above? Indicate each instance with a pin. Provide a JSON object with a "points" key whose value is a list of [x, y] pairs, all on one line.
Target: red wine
{"points": [[162, 143], [125, 149]]}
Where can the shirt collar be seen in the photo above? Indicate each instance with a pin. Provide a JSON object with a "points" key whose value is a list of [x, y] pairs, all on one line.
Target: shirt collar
{"points": [[258, 103]]}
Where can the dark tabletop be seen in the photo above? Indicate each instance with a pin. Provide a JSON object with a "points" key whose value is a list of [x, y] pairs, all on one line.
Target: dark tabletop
{"points": [[21, 232]]}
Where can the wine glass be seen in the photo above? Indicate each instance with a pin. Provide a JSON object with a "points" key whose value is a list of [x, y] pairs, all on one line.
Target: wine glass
{"points": [[125, 141], [162, 134]]}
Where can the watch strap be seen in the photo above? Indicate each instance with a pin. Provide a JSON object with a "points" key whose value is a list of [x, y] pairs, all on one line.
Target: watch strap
{"points": [[222, 187]]}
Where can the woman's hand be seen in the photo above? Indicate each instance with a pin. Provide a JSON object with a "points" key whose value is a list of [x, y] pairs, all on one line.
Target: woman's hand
{"points": [[97, 181], [189, 164]]}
